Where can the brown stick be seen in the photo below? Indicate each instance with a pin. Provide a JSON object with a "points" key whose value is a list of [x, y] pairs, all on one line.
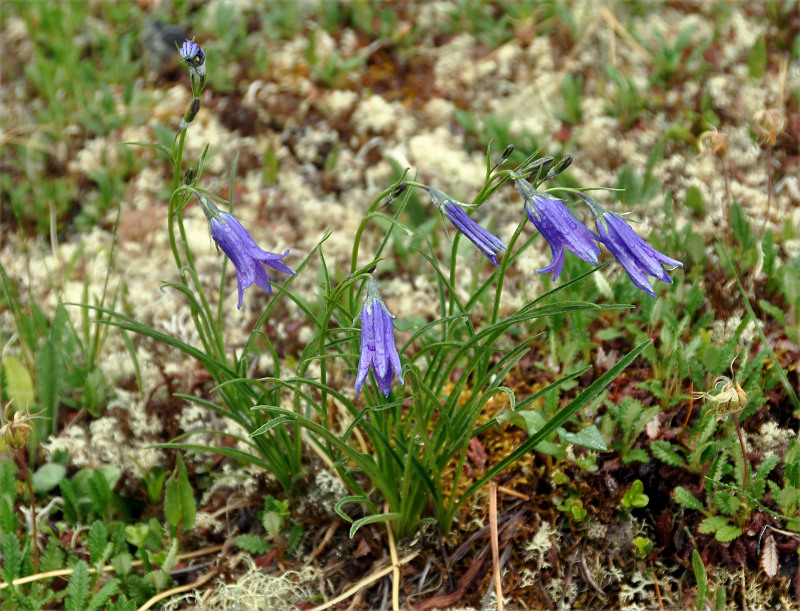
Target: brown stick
{"points": [[498, 582]]}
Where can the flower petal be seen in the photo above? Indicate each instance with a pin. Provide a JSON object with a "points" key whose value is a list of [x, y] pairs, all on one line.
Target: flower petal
{"points": [[488, 243]]}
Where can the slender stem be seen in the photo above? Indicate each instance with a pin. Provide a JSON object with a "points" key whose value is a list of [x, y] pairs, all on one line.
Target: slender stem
{"points": [[745, 463], [22, 461], [769, 187]]}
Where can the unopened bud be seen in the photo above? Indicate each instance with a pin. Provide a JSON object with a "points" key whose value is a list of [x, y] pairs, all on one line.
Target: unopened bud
{"points": [[559, 167], [188, 178], [398, 190], [507, 153], [194, 108]]}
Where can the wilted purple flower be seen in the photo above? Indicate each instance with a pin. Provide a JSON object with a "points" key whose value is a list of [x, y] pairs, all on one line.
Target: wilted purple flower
{"points": [[557, 225], [377, 342], [488, 243], [193, 55], [246, 256], [635, 255]]}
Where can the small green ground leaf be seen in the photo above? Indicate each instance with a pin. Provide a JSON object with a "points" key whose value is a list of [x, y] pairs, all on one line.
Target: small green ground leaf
{"points": [[78, 589], [713, 524], [727, 533], [8, 486], [48, 477], [96, 540], [686, 499], [179, 504], [590, 438], [101, 597], [252, 544], [12, 558], [664, 452]]}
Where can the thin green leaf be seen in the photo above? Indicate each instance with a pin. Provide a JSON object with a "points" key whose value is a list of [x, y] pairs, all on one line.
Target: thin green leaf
{"points": [[376, 519]]}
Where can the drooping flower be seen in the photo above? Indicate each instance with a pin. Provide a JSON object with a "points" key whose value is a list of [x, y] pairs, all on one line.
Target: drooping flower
{"points": [[194, 57], [241, 249], [636, 256], [377, 342], [488, 243], [557, 225]]}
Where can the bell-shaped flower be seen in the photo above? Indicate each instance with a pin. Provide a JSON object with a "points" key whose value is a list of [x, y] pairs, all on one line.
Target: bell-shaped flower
{"points": [[377, 342], [488, 243], [241, 249], [557, 225], [193, 55], [636, 256]]}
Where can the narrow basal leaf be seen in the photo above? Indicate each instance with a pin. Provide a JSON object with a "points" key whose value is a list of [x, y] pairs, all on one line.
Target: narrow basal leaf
{"points": [[702, 580]]}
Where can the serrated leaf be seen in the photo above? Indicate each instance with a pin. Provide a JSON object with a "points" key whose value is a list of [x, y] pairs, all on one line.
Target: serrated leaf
{"points": [[70, 509], [664, 452], [122, 563], [272, 522], [122, 603], [158, 579], [636, 454], [138, 589], [726, 502], [769, 556], [99, 600], [756, 488], [712, 524], [52, 558], [12, 558], [96, 540], [766, 466], [252, 544], [8, 484], [702, 580], [78, 587], [788, 499], [686, 499], [8, 517], [294, 539], [99, 492], [727, 533]]}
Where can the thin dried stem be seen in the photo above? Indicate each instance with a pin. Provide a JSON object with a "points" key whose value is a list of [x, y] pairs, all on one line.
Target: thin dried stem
{"points": [[498, 582]]}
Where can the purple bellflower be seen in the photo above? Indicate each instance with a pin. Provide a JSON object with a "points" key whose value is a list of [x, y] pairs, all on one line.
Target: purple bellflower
{"points": [[636, 256], [488, 243], [246, 256], [557, 225], [194, 57], [377, 342]]}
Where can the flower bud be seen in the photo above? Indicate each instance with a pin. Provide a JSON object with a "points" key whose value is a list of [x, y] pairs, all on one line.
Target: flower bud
{"points": [[17, 429], [768, 124], [559, 167], [194, 108]]}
